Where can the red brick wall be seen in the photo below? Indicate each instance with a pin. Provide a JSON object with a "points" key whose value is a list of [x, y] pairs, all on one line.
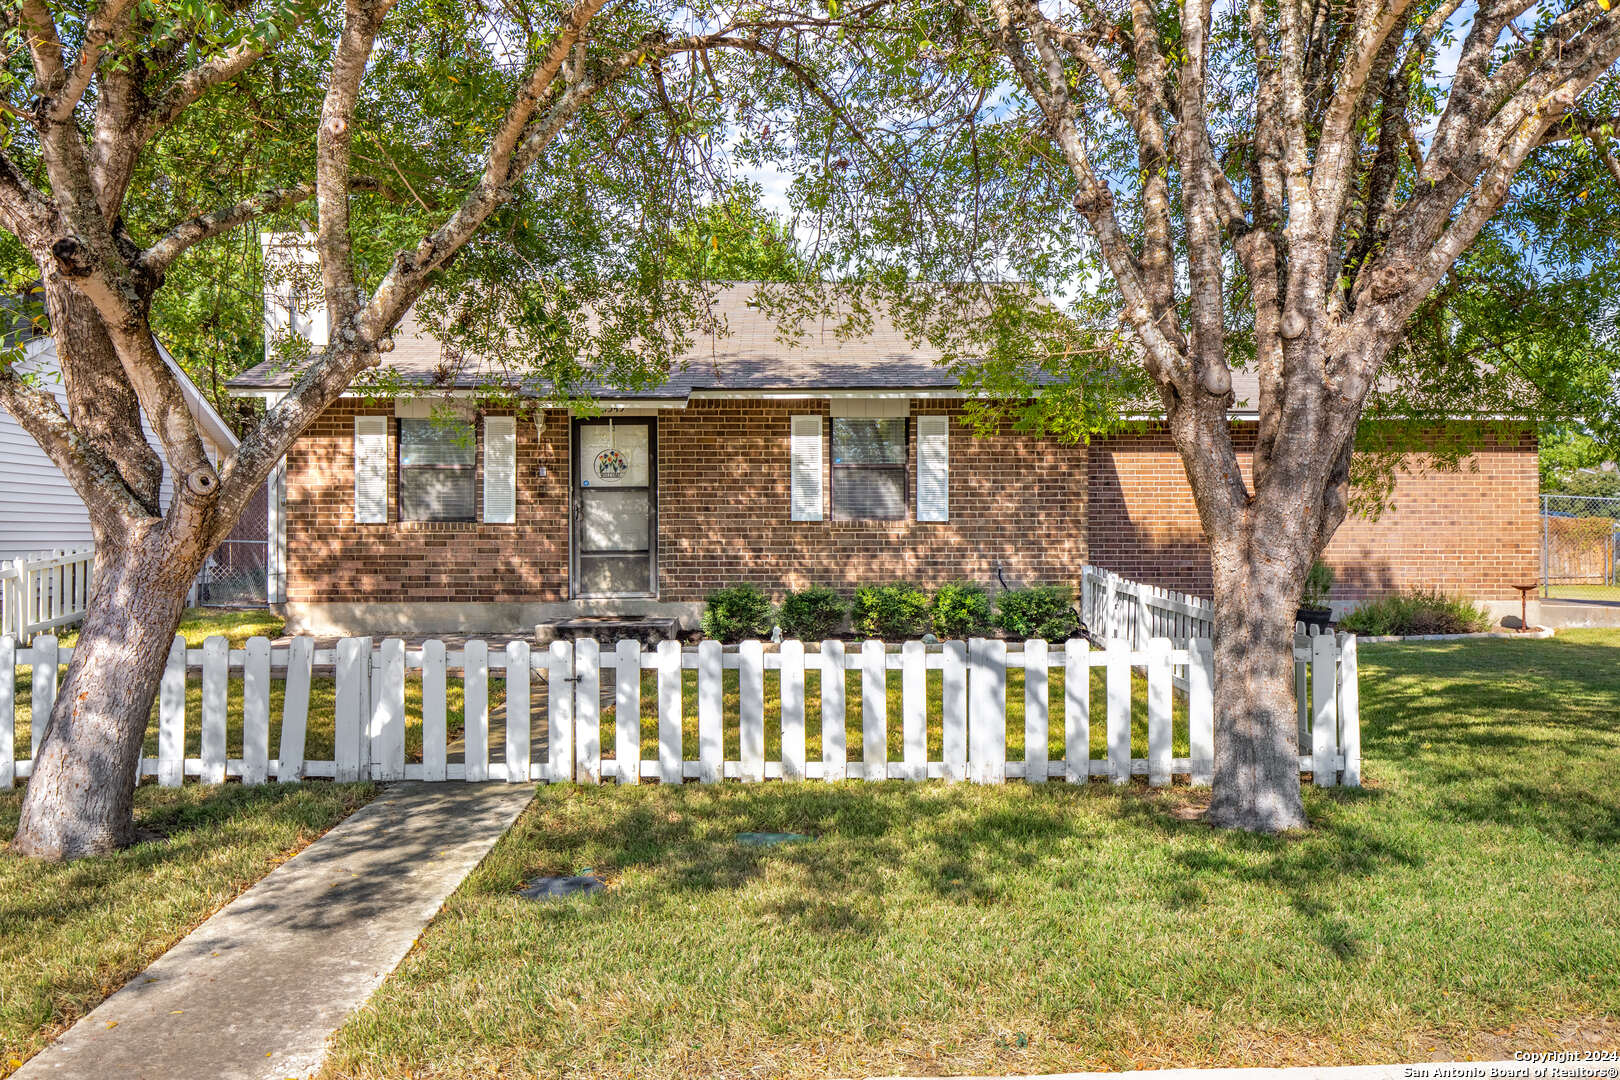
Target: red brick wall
{"points": [[1037, 507], [724, 505], [331, 558], [1475, 531], [723, 516]]}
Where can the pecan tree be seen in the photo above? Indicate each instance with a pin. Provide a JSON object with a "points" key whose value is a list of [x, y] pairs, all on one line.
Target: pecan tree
{"points": [[1319, 195], [405, 133]]}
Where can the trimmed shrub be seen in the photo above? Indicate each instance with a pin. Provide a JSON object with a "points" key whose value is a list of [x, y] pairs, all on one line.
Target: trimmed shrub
{"points": [[1417, 612], [812, 614], [890, 612], [1040, 611], [962, 609], [735, 613]]}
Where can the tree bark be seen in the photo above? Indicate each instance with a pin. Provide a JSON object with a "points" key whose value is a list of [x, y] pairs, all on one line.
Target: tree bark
{"points": [[1256, 733], [80, 797]]}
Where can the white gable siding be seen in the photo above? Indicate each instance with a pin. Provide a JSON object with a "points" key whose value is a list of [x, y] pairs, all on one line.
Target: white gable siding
{"points": [[39, 510]]}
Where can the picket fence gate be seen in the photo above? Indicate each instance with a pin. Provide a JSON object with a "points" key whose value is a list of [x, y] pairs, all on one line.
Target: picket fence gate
{"points": [[369, 712], [44, 591]]}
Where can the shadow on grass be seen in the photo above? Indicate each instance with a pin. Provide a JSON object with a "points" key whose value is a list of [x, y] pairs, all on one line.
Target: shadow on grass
{"points": [[969, 847], [175, 827]]}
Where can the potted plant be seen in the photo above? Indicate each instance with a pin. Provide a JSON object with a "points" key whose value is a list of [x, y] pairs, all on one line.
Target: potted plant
{"points": [[1314, 610]]}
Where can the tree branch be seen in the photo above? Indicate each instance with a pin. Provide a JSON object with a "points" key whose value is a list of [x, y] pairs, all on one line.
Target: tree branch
{"points": [[106, 24], [92, 475]]}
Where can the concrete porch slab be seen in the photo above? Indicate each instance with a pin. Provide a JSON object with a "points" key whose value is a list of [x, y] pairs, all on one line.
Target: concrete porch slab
{"points": [[254, 992]]}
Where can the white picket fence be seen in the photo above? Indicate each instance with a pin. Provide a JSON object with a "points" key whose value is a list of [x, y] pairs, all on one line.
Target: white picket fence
{"points": [[370, 722], [44, 591], [1116, 607]]}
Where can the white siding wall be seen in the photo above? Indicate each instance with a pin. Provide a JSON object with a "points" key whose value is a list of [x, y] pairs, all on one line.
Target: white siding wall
{"points": [[39, 510]]}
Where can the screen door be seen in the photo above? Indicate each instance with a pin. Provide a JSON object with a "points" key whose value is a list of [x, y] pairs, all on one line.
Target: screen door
{"points": [[615, 508]]}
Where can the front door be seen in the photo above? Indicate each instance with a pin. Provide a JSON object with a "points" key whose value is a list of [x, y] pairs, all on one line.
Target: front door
{"points": [[615, 508]]}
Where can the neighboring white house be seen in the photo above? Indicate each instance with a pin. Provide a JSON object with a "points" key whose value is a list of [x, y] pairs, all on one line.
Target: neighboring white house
{"points": [[39, 510]]}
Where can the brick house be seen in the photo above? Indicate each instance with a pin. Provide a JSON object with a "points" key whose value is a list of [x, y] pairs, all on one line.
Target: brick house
{"points": [[823, 461]]}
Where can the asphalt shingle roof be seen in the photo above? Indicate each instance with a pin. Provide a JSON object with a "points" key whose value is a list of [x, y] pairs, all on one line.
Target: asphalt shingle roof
{"points": [[751, 356]]}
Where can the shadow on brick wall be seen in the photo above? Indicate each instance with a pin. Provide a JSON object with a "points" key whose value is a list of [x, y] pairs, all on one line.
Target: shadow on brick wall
{"points": [[1152, 534]]}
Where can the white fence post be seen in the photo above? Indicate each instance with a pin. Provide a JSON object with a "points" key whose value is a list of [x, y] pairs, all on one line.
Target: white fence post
{"points": [[914, 710], [368, 695], [670, 752], [791, 691], [834, 754], [475, 709], [587, 711], [1201, 711], [435, 709], [172, 718], [711, 696], [1158, 705], [874, 711], [1037, 700], [216, 670], [954, 710], [1077, 710], [8, 711], [987, 710], [351, 676], [42, 689], [1119, 710], [256, 711], [1350, 710], [559, 710], [1324, 718], [751, 710], [627, 712], [388, 713], [294, 708], [519, 714]]}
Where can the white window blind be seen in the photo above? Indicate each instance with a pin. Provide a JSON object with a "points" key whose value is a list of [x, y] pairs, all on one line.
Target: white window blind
{"points": [[500, 469], [806, 468], [933, 468], [370, 469]]}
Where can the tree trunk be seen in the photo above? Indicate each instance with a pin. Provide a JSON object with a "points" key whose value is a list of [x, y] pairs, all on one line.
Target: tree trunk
{"points": [[1256, 731], [80, 797]]}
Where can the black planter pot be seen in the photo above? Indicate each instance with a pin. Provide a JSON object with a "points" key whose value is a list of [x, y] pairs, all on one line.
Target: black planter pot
{"points": [[1315, 616]]}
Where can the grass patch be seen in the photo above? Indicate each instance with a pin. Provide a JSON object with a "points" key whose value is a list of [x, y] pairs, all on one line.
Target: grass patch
{"points": [[954, 929], [201, 623], [1609, 593], [71, 934]]}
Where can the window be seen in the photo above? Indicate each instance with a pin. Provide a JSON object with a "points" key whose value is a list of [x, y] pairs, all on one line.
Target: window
{"points": [[436, 470], [868, 469]]}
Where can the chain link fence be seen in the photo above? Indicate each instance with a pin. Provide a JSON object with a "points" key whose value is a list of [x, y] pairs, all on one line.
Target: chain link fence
{"points": [[237, 573], [1580, 542]]}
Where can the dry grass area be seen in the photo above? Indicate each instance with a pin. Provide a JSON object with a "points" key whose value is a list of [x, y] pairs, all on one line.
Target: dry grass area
{"points": [[1463, 904]]}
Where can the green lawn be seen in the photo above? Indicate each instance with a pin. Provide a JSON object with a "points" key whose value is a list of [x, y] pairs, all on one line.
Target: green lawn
{"points": [[1468, 890], [199, 624], [72, 934]]}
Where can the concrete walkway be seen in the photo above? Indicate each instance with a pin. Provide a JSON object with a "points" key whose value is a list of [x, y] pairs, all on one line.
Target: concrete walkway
{"points": [[254, 992]]}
